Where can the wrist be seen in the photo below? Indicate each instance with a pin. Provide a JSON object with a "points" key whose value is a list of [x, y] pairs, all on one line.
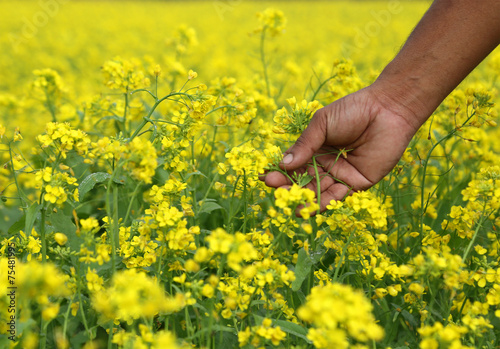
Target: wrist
{"points": [[452, 38], [406, 96]]}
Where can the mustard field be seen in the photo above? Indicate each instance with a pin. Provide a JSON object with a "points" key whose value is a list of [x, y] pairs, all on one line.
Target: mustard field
{"points": [[133, 139]]}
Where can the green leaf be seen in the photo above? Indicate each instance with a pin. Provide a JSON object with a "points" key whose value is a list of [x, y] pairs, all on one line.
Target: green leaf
{"points": [[31, 217], [209, 206], [90, 181], [317, 256], [293, 328], [344, 275], [303, 179], [214, 328], [328, 259], [79, 339], [408, 317], [24, 327], [62, 223], [110, 117], [196, 173], [19, 225], [224, 338], [302, 269], [287, 326], [227, 147]]}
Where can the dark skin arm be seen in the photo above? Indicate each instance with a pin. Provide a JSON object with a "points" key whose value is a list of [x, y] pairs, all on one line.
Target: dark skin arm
{"points": [[379, 121]]}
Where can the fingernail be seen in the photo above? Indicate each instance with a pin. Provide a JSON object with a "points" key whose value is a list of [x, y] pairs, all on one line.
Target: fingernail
{"points": [[288, 159]]}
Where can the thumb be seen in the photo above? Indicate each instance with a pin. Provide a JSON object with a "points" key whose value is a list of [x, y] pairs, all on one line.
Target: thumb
{"points": [[309, 142]]}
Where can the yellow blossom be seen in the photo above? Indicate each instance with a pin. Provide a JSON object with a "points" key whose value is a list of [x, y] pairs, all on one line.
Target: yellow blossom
{"points": [[60, 238]]}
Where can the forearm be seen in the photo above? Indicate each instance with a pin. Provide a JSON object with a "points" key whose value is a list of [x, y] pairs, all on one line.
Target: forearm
{"points": [[452, 38]]}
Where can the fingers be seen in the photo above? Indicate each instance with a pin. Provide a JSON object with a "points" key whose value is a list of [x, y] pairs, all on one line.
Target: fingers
{"points": [[325, 180], [331, 186], [344, 171], [276, 180], [309, 142], [336, 191], [330, 189]]}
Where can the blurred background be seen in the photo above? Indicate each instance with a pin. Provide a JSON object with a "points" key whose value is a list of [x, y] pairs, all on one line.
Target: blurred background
{"points": [[76, 37]]}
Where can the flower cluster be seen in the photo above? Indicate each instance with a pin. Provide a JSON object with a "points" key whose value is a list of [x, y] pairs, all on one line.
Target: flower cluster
{"points": [[137, 158], [145, 339], [286, 200], [48, 87], [56, 186], [140, 160], [44, 286], [295, 121], [333, 328], [170, 227], [62, 138], [258, 334], [236, 248], [271, 20], [123, 75], [358, 210], [133, 295]]}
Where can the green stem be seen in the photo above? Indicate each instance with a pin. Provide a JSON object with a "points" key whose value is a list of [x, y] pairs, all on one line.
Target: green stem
{"points": [[22, 196], [66, 316], [42, 235], [210, 324], [160, 259], [344, 249], [143, 123], [147, 119], [43, 333], [189, 325], [245, 203], [156, 86], [318, 186], [144, 90], [110, 337], [129, 209], [192, 151], [112, 219], [50, 106], [210, 186], [263, 60], [321, 86], [221, 107], [469, 247], [213, 143], [230, 214], [125, 131], [115, 221], [424, 173], [84, 318]]}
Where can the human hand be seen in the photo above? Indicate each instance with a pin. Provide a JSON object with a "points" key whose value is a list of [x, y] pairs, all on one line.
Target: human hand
{"points": [[370, 130]]}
